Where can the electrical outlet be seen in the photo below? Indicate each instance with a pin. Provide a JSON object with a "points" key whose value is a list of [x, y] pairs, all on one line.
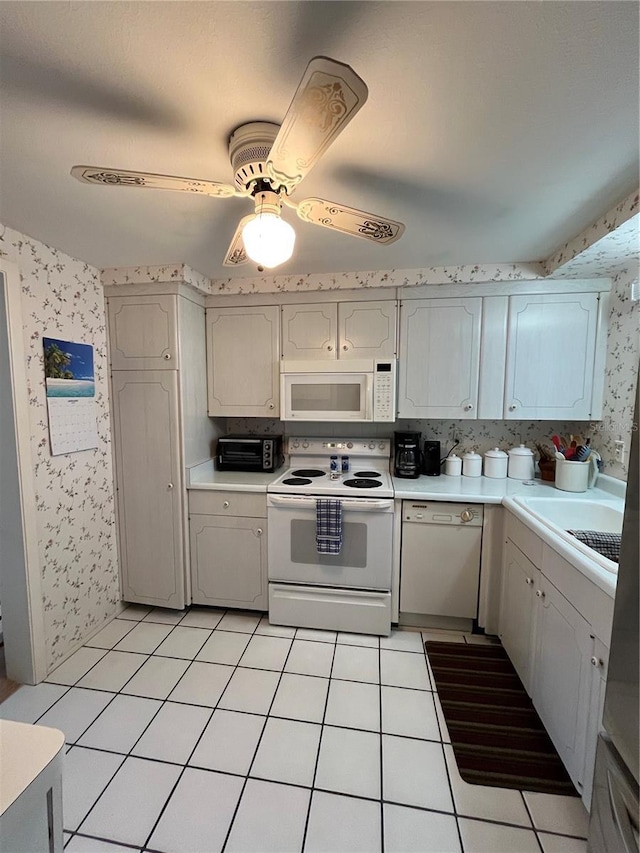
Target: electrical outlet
{"points": [[619, 450]]}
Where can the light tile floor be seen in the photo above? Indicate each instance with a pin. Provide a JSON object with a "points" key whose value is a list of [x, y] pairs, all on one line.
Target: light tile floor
{"points": [[208, 731]]}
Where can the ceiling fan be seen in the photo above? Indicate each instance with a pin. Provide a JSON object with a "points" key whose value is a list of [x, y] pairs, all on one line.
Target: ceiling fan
{"points": [[269, 161]]}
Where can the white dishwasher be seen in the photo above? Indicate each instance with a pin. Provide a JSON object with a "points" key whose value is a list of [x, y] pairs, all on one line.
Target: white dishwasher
{"points": [[440, 562]]}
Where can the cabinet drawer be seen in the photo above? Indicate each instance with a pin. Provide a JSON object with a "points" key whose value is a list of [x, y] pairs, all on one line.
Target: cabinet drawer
{"points": [[525, 539], [248, 504]]}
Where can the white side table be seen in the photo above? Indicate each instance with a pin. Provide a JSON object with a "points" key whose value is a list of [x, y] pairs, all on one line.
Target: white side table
{"points": [[30, 788]]}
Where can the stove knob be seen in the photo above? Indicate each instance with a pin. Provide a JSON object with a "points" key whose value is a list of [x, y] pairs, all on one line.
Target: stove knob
{"points": [[305, 444], [296, 443], [349, 444], [372, 445], [381, 445]]}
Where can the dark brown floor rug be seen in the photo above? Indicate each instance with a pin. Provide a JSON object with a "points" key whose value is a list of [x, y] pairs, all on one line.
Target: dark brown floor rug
{"points": [[496, 734]]}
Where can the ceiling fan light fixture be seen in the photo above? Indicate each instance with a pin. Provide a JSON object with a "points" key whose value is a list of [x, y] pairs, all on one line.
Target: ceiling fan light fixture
{"points": [[268, 240]]}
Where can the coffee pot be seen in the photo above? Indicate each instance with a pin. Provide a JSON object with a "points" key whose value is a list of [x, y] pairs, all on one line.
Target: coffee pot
{"points": [[407, 456]]}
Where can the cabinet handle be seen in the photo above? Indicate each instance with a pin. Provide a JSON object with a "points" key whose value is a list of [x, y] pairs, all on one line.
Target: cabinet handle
{"points": [[169, 485], [540, 593], [468, 407], [529, 581], [226, 504], [167, 356], [330, 348], [345, 347], [512, 407], [259, 532], [596, 661]]}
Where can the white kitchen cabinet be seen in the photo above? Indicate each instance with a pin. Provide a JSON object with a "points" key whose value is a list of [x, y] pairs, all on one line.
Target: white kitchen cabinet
{"points": [[228, 535], [439, 358], [562, 675], [326, 331], [160, 426], [551, 349], [520, 579], [143, 332], [149, 486], [243, 355]]}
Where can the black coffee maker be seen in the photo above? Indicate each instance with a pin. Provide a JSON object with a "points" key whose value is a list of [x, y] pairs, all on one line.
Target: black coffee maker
{"points": [[407, 456]]}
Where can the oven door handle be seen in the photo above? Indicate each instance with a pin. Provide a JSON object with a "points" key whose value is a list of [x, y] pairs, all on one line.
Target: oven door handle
{"points": [[347, 503]]}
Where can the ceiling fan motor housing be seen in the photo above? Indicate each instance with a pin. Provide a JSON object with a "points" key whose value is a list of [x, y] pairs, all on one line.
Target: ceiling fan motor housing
{"points": [[249, 147]]}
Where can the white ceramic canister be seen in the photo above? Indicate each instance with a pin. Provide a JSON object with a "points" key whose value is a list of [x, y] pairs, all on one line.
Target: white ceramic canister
{"points": [[453, 466], [521, 463], [471, 464], [496, 463]]}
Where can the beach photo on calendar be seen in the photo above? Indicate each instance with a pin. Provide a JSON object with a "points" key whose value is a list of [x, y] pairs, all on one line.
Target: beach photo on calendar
{"points": [[68, 369]]}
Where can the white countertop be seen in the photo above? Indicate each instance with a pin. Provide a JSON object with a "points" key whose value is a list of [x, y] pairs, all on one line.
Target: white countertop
{"points": [[25, 751], [205, 476], [484, 490]]}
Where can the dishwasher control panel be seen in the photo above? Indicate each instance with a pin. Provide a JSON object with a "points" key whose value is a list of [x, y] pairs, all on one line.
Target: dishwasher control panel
{"points": [[436, 512]]}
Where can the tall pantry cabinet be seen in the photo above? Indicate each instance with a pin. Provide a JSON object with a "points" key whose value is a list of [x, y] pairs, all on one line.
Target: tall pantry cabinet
{"points": [[158, 403]]}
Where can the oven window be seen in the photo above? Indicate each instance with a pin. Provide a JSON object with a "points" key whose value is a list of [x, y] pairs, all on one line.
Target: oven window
{"points": [[353, 552], [326, 397]]}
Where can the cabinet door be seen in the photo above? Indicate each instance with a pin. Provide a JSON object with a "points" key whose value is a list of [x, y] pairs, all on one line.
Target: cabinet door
{"points": [[439, 358], [562, 677], [599, 665], [243, 361], [550, 356], [229, 561], [149, 486], [367, 329], [309, 331], [517, 610], [143, 332]]}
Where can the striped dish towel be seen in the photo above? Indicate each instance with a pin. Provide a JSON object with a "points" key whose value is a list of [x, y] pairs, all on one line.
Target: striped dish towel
{"points": [[607, 544], [328, 525]]}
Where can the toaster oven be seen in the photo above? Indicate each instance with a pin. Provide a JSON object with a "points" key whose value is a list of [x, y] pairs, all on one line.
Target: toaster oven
{"points": [[249, 453]]}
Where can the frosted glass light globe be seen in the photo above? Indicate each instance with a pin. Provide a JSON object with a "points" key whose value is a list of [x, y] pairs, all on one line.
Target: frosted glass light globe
{"points": [[268, 239]]}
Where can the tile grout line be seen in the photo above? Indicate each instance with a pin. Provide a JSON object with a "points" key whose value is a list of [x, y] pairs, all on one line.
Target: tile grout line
{"points": [[315, 768], [382, 842], [255, 752]]}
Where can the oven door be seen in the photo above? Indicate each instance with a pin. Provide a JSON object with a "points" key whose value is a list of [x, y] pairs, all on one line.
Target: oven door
{"points": [[365, 558], [326, 397]]}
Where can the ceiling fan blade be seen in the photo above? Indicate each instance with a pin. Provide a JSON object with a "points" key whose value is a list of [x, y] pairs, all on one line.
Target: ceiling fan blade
{"points": [[359, 223], [328, 97], [236, 254], [123, 178]]}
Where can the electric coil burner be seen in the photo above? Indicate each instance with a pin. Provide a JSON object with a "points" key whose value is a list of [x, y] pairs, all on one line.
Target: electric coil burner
{"points": [[345, 591]]}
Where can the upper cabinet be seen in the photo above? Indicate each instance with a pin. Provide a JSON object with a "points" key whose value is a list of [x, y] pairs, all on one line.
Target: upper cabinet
{"points": [[439, 358], [143, 332], [243, 348], [551, 345], [326, 331]]}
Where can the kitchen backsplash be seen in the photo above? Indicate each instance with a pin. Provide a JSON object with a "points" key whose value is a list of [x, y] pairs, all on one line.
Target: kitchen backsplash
{"points": [[62, 297]]}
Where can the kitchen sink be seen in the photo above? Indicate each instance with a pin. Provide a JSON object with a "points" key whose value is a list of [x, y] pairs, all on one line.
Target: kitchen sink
{"points": [[575, 514]]}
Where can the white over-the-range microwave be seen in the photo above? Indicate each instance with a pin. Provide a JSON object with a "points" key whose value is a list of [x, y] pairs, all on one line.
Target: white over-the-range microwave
{"points": [[353, 390]]}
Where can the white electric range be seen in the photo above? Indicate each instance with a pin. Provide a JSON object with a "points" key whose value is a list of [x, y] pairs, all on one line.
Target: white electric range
{"points": [[349, 591]]}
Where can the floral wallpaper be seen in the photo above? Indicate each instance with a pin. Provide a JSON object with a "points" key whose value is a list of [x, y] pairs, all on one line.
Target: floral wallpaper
{"points": [[149, 275], [607, 224], [62, 298], [610, 254], [621, 372]]}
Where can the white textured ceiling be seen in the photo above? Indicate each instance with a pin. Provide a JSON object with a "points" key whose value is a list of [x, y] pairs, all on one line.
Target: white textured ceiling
{"points": [[495, 130]]}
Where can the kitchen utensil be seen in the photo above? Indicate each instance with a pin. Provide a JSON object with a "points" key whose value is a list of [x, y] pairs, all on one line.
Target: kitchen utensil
{"points": [[520, 463], [582, 452], [556, 442], [471, 464], [496, 462]]}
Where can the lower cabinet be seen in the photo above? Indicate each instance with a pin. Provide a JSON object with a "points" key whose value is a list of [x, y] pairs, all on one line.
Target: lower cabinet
{"points": [[228, 552], [555, 651], [519, 580]]}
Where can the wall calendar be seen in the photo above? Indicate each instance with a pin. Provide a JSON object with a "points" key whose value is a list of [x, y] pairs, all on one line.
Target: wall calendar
{"points": [[71, 396]]}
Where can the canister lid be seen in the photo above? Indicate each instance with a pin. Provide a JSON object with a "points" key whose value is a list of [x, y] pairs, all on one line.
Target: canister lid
{"points": [[496, 453], [521, 450], [470, 454]]}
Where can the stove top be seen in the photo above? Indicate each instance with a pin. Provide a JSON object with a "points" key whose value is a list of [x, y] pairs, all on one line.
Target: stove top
{"points": [[309, 474]]}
